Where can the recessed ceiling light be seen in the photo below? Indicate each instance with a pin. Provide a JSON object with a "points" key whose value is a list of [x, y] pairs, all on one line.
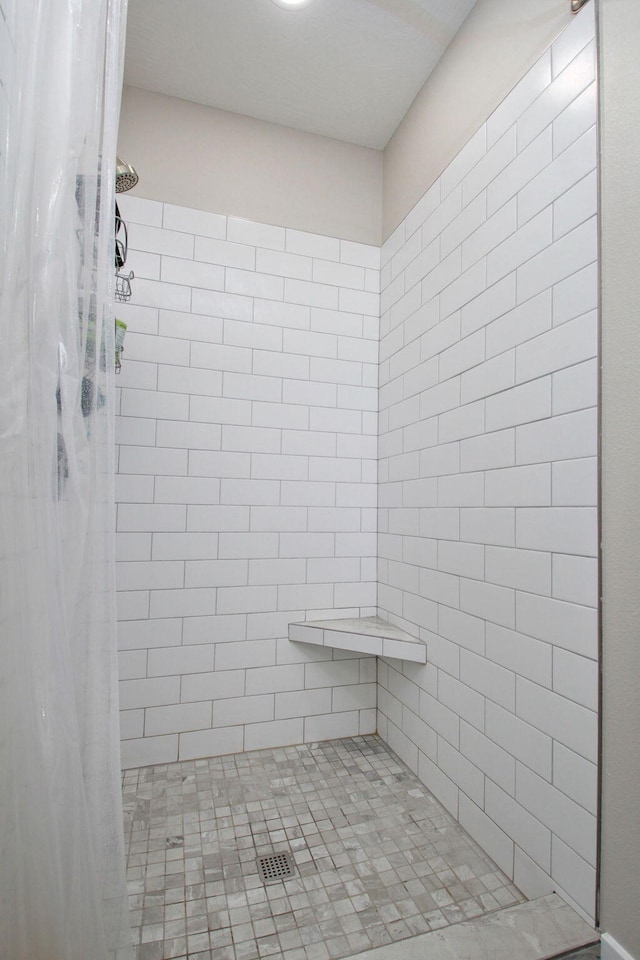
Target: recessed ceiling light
{"points": [[292, 4]]}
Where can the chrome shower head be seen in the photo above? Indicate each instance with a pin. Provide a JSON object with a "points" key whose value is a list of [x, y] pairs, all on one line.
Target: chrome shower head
{"points": [[126, 176]]}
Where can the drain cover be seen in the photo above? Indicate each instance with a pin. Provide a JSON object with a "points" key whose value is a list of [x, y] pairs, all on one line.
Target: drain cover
{"points": [[276, 866]]}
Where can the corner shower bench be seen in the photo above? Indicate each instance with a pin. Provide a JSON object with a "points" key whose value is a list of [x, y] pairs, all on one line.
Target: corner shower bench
{"points": [[361, 635]]}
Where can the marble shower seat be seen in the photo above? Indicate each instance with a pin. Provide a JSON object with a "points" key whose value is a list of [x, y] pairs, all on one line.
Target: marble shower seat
{"points": [[361, 635]]}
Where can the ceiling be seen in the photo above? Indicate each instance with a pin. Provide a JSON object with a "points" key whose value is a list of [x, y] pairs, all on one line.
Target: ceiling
{"points": [[347, 69]]}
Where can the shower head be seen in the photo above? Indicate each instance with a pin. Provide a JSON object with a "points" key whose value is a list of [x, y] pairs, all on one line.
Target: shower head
{"points": [[126, 177]]}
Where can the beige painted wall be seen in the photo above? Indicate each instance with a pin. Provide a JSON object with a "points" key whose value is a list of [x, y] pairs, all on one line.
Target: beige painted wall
{"points": [[620, 216], [212, 160], [494, 48]]}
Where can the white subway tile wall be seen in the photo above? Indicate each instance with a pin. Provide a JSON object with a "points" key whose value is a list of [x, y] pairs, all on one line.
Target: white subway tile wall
{"points": [[247, 483], [488, 478]]}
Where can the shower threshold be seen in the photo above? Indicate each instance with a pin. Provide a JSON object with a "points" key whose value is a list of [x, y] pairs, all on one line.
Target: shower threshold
{"points": [[381, 868]]}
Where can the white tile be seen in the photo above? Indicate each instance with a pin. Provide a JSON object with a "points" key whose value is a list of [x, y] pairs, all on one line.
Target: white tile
{"points": [[212, 686], [574, 876], [488, 678], [243, 654], [491, 603], [519, 486], [467, 421], [192, 273], [462, 628], [576, 206], [284, 264], [242, 545], [459, 490], [252, 439], [567, 437], [172, 661], [133, 489], [575, 579], [310, 393], [472, 215], [490, 235], [217, 356], [149, 750], [526, 165], [576, 387], [436, 522], [311, 344], [229, 306], [256, 234], [572, 40], [300, 596], [132, 665], [471, 283], [273, 364], [218, 573], [488, 451], [312, 245], [158, 691], [205, 518], [235, 710], [220, 630], [154, 405], [499, 154], [522, 246], [489, 525], [557, 182], [133, 546], [523, 655], [558, 529], [576, 678], [132, 604], [138, 210], [575, 120], [136, 430], [488, 306], [572, 342], [254, 599], [303, 703], [252, 492], [189, 380], [154, 240], [462, 559], [190, 327], [360, 254], [565, 256], [310, 294], [338, 274], [522, 96], [522, 404], [567, 625], [252, 284], [576, 296], [529, 834], [182, 603], [495, 762], [464, 162], [131, 724], [425, 206], [359, 696], [484, 831], [194, 436], [194, 221], [279, 733], [184, 546], [281, 314], [575, 483], [215, 463], [154, 517], [149, 575], [147, 634], [520, 324], [155, 349], [520, 739], [565, 721], [210, 743], [521, 569], [330, 726], [139, 318], [275, 571], [571, 822], [468, 352], [461, 771], [576, 777], [552, 101], [275, 518]]}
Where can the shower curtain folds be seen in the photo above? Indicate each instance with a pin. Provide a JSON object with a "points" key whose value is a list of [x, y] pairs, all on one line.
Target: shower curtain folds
{"points": [[62, 889]]}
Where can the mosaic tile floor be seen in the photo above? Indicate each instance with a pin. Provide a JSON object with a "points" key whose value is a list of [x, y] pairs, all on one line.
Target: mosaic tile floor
{"points": [[377, 857]]}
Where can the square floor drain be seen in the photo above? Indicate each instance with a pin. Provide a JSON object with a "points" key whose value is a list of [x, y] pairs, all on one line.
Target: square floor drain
{"points": [[276, 866]]}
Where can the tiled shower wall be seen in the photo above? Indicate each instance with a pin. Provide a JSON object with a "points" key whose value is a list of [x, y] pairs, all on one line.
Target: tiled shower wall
{"points": [[488, 439], [246, 485]]}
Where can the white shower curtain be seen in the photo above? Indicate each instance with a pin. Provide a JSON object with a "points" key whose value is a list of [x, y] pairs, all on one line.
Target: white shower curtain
{"points": [[62, 891]]}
